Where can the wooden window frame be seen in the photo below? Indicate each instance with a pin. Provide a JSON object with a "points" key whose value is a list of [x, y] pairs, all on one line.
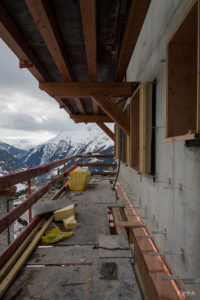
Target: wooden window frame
{"points": [[183, 77], [141, 129]]}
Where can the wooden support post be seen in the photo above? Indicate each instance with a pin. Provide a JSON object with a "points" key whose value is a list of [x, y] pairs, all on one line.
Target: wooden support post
{"points": [[106, 130], [113, 112]]}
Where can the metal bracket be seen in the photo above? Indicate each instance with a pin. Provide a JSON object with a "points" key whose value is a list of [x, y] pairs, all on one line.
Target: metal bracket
{"points": [[184, 280], [180, 252], [160, 232]]}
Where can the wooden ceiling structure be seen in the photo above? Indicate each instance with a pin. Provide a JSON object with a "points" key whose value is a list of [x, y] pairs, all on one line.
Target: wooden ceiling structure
{"points": [[78, 50]]}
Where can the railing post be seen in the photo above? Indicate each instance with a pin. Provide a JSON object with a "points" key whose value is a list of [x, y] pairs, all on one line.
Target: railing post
{"points": [[29, 193], [74, 163], [65, 177]]}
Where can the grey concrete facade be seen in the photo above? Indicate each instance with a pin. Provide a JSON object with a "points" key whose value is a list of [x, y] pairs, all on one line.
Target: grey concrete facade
{"points": [[176, 210]]}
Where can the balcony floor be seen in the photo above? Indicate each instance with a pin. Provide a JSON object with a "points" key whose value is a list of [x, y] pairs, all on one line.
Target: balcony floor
{"points": [[78, 268]]}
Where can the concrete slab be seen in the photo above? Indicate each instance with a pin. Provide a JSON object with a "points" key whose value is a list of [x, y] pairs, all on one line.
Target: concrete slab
{"points": [[64, 255], [123, 288], [114, 246], [70, 282]]}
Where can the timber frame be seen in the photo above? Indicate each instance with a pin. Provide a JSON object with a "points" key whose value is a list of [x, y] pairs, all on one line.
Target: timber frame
{"points": [[183, 61], [136, 146], [76, 60]]}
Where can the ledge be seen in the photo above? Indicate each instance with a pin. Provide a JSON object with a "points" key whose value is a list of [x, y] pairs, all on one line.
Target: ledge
{"points": [[186, 137]]}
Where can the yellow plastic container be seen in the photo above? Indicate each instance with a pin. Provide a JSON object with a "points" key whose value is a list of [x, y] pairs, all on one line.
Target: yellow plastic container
{"points": [[79, 179]]}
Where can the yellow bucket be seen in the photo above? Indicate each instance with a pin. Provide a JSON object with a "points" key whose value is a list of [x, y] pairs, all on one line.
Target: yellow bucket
{"points": [[79, 179]]}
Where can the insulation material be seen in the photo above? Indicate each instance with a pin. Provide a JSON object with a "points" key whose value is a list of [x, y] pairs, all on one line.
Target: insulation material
{"points": [[64, 213]]}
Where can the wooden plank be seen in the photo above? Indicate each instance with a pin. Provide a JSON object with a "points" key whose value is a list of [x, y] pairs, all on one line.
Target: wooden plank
{"points": [[17, 43], [91, 118], [118, 219], [117, 141], [136, 17], [86, 89], [17, 267], [134, 130], [106, 129], [198, 73], [45, 21], [186, 137], [113, 112], [6, 268], [8, 252], [131, 224], [145, 128]]}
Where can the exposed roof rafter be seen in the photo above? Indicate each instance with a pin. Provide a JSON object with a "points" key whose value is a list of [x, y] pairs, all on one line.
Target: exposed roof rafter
{"points": [[88, 13], [17, 43], [42, 14]]}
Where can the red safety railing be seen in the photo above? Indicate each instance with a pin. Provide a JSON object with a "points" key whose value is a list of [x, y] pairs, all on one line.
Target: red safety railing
{"points": [[26, 175]]}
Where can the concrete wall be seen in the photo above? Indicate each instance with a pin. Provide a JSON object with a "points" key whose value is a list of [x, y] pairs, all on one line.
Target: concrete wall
{"points": [[177, 211]]}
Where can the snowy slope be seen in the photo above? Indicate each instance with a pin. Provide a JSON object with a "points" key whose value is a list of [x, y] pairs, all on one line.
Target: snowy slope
{"points": [[66, 144]]}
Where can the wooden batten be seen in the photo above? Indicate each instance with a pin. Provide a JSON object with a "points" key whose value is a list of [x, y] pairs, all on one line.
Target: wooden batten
{"points": [[141, 129], [116, 141], [113, 112], [145, 128]]}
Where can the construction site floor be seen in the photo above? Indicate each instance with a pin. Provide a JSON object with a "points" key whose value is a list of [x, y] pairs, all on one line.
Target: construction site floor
{"points": [[93, 264]]}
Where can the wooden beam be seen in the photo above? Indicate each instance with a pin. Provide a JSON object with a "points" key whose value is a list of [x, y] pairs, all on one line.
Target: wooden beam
{"points": [[45, 21], [42, 14], [136, 17], [106, 130], [79, 105], [88, 13], [91, 118], [113, 112], [17, 43], [86, 89]]}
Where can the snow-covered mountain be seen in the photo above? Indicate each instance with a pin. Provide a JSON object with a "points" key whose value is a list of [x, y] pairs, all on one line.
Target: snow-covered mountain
{"points": [[63, 145]]}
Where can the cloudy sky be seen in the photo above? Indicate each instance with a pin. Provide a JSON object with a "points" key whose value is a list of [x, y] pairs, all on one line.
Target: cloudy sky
{"points": [[26, 112]]}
